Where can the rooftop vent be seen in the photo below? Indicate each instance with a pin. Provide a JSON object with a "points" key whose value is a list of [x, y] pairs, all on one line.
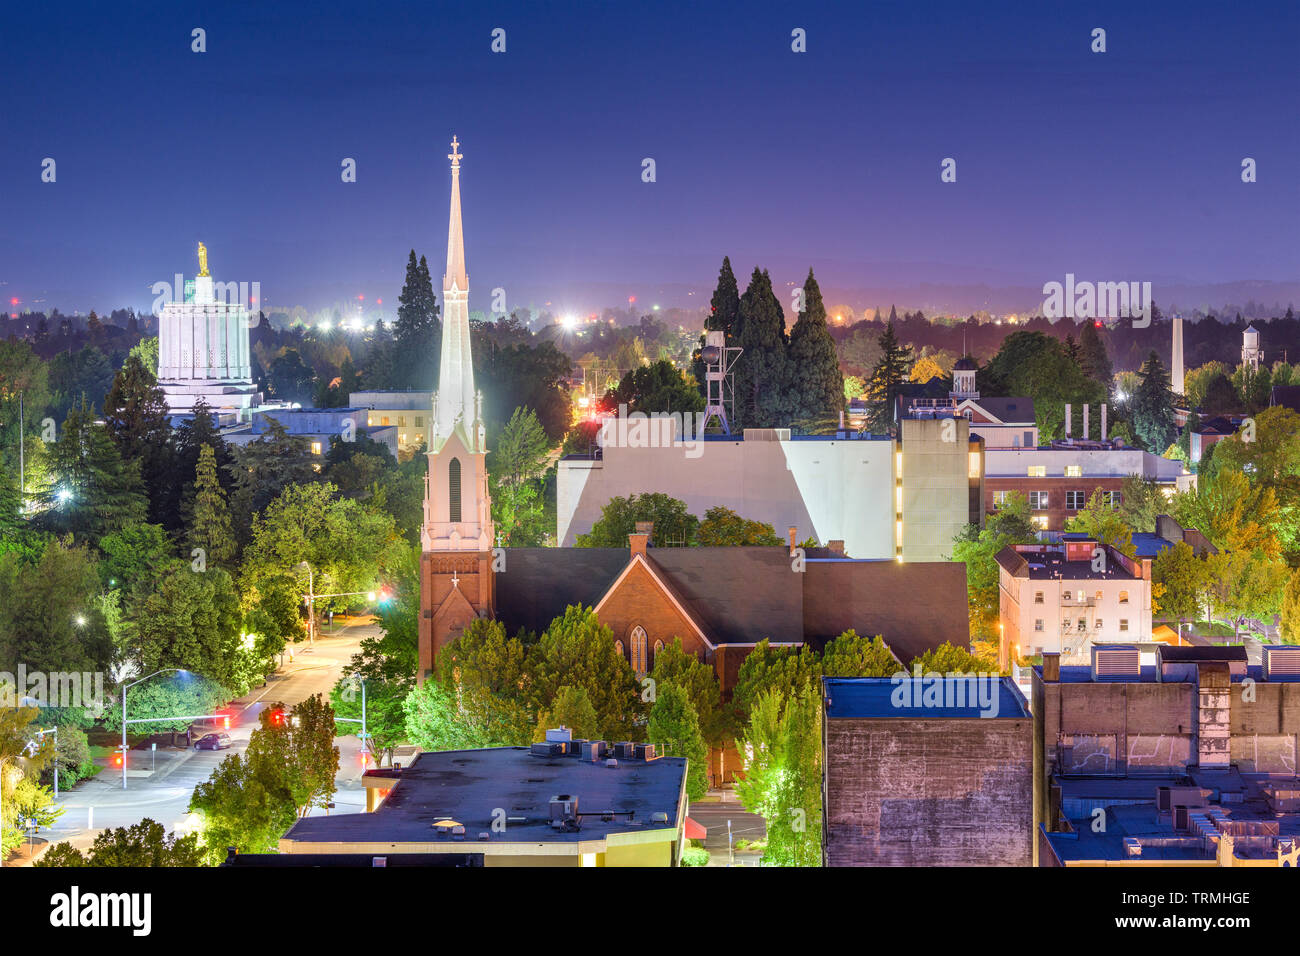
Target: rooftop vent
{"points": [[1282, 661], [560, 733], [1132, 847], [1116, 662], [564, 811]]}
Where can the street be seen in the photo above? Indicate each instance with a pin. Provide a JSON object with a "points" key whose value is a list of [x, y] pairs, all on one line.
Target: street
{"points": [[159, 782]]}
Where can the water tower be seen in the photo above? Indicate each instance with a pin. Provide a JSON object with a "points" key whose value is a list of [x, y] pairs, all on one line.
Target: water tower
{"points": [[719, 358]]}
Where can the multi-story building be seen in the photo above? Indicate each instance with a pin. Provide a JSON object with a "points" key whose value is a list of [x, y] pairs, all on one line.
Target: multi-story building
{"points": [[409, 411], [1064, 598], [999, 422], [926, 771], [319, 426], [1058, 479], [886, 498], [1189, 761]]}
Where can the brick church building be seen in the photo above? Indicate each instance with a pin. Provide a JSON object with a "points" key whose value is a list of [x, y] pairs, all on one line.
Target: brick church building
{"points": [[719, 601]]}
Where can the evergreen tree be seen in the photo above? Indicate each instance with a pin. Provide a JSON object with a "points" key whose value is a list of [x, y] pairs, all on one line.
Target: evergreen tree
{"points": [[725, 304], [760, 371], [1153, 406], [207, 513], [891, 371], [135, 411], [92, 491], [417, 332], [571, 708], [818, 385], [893, 315], [1093, 358], [262, 468]]}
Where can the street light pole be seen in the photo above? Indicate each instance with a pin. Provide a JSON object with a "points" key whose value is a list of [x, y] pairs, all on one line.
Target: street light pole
{"points": [[311, 610], [124, 690]]}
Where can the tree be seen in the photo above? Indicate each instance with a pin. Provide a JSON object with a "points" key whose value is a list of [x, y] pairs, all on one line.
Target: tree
{"points": [[890, 372], [724, 306], [852, 656], [142, 844], [514, 466], [1185, 579], [417, 333], [785, 670], [290, 378], [93, 489], [674, 729], [723, 527], [191, 620], [302, 748], [673, 524], [208, 514], [1093, 359], [49, 620], [134, 555], [1009, 525], [1153, 406], [1100, 521], [1142, 501], [1036, 365], [167, 695], [817, 383], [673, 666], [783, 775], [23, 375], [136, 415], [947, 658], [384, 695], [20, 797], [578, 651], [760, 370], [1197, 379], [571, 708], [1290, 627], [657, 387], [490, 676], [434, 722]]}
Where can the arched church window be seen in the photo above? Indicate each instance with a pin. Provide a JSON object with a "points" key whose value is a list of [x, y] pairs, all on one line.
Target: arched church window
{"points": [[618, 646], [659, 646], [639, 649], [453, 488]]}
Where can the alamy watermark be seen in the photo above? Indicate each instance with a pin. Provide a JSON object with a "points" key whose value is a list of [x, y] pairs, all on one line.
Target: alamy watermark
{"points": [[1098, 300], [932, 690], [79, 689], [656, 430]]}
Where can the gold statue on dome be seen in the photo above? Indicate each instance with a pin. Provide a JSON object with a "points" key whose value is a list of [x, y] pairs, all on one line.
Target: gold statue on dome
{"points": [[203, 259]]}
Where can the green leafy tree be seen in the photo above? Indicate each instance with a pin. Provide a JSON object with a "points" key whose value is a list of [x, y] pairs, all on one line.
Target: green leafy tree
{"points": [[142, 844], [135, 415], [571, 708], [657, 387], [978, 548], [852, 656], [673, 524], [1290, 627], [192, 621], [490, 677], [92, 489], [385, 692], [578, 651], [675, 667], [1036, 365], [947, 658], [515, 465], [1093, 358], [265, 467], [134, 555], [674, 729], [1100, 521], [417, 333], [1142, 501], [166, 696], [1184, 577], [786, 670], [783, 774], [722, 527], [435, 722]]}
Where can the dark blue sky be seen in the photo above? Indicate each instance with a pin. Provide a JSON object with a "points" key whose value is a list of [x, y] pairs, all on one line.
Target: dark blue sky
{"points": [[1117, 165]]}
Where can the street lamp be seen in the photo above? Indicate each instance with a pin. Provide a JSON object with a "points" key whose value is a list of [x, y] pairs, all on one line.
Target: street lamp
{"points": [[178, 670], [311, 610]]}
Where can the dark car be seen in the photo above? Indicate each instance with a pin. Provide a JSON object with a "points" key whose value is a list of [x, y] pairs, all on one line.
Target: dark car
{"points": [[212, 742]]}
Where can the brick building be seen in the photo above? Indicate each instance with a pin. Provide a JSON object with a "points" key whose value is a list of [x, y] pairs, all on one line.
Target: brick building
{"points": [[939, 777], [1187, 761]]}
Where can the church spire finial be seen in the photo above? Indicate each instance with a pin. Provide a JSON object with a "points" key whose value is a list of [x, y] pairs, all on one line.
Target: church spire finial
{"points": [[455, 155], [454, 408]]}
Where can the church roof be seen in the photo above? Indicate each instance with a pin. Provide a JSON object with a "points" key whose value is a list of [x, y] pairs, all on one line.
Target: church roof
{"points": [[741, 595]]}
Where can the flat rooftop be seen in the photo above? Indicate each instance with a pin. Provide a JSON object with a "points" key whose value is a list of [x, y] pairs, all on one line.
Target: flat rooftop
{"points": [[941, 698], [469, 786]]}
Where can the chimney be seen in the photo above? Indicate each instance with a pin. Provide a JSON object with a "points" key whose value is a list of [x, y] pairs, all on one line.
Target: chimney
{"points": [[792, 534], [1086, 431], [1067, 419], [1103, 421], [637, 543], [646, 528], [836, 546], [1051, 666]]}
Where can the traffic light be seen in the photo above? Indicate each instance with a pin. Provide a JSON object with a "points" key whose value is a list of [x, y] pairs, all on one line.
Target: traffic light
{"points": [[117, 759], [225, 723], [277, 718]]}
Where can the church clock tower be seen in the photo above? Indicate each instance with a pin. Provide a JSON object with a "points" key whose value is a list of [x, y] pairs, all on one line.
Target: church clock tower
{"points": [[457, 536]]}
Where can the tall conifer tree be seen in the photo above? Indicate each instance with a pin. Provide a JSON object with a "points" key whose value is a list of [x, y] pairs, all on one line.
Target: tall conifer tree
{"points": [[817, 385]]}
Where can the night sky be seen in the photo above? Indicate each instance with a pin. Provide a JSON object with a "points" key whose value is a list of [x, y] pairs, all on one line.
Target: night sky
{"points": [[1118, 165]]}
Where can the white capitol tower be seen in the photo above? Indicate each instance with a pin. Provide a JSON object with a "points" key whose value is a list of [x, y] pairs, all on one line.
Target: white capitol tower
{"points": [[203, 349]]}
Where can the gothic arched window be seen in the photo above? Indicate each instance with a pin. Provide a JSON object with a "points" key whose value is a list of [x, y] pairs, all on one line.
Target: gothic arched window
{"points": [[618, 646], [659, 646], [453, 489], [639, 650]]}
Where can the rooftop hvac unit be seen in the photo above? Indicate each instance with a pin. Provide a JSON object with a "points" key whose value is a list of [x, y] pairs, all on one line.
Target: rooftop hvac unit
{"points": [[553, 749], [1282, 661], [1116, 662], [645, 751], [563, 807], [625, 751], [593, 750]]}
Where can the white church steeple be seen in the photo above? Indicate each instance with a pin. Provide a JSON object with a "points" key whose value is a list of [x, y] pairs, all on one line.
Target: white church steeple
{"points": [[455, 405], [457, 508]]}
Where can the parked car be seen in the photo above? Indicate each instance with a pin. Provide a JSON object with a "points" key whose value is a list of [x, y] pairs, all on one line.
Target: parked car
{"points": [[212, 742]]}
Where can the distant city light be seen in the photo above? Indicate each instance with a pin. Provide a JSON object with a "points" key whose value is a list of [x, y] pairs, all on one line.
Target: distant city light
{"points": [[324, 326], [79, 620], [65, 495], [569, 322]]}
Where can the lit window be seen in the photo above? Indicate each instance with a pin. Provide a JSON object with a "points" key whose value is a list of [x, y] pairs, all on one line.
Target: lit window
{"points": [[974, 464], [1123, 597], [999, 499], [1073, 471], [419, 421], [1037, 471], [384, 420], [1040, 521], [618, 646], [315, 448]]}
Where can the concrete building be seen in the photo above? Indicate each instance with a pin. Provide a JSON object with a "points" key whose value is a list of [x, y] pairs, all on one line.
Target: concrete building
{"points": [[321, 427], [896, 499], [1058, 479], [1189, 761], [203, 346], [1065, 598], [409, 411], [931, 771], [560, 803]]}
